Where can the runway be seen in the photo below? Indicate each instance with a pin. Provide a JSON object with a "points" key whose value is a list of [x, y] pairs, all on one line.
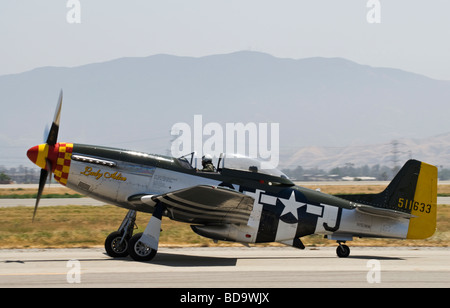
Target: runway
{"points": [[50, 202], [229, 267]]}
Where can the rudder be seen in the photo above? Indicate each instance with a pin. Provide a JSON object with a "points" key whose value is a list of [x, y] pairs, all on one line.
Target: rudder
{"points": [[424, 204], [414, 191]]}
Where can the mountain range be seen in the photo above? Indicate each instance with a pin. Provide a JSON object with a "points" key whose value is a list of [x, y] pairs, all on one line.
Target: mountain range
{"points": [[329, 110], [434, 150]]}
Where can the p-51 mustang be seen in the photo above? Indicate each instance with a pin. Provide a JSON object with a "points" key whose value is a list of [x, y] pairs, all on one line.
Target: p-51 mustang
{"points": [[237, 202]]}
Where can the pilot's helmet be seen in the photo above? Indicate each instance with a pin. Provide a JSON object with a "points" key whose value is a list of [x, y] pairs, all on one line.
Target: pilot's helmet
{"points": [[206, 158]]}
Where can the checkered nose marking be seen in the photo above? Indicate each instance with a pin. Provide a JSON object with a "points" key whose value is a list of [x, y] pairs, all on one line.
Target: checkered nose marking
{"points": [[59, 156], [63, 160]]}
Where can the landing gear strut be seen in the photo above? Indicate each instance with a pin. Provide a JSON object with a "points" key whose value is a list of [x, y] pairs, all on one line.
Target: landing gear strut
{"points": [[116, 244], [144, 246], [141, 246], [343, 251]]}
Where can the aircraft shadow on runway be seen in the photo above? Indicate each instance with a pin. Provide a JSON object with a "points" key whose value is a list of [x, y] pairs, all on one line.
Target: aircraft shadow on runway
{"points": [[375, 258], [175, 260], [180, 260]]}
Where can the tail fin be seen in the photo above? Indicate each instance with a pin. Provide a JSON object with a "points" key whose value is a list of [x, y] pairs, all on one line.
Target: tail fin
{"points": [[414, 191], [423, 205]]}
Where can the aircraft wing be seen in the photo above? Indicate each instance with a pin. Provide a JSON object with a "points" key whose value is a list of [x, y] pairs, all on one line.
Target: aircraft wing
{"points": [[205, 204]]}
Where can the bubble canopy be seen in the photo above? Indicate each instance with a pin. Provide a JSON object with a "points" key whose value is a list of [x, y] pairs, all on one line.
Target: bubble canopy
{"points": [[244, 163], [234, 162]]}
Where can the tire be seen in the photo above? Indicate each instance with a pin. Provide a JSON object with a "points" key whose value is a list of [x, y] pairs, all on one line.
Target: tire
{"points": [[343, 251], [112, 247], [139, 251]]}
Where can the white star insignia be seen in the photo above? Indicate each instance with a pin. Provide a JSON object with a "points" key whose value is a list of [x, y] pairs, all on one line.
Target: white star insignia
{"points": [[290, 205]]}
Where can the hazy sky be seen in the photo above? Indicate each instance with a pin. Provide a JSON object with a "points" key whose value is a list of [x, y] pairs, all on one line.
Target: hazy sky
{"points": [[412, 34]]}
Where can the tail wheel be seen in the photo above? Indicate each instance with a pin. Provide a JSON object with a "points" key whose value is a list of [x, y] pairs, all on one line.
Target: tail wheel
{"points": [[343, 251], [138, 250]]}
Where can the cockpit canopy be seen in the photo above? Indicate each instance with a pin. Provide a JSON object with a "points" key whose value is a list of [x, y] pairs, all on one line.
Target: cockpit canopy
{"points": [[232, 162], [244, 163]]}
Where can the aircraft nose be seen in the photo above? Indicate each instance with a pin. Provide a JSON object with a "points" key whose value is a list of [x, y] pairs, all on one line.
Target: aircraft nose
{"points": [[38, 155], [32, 154]]}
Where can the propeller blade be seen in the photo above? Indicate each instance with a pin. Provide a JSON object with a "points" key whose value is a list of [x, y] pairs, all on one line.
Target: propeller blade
{"points": [[49, 169], [53, 134], [42, 181], [51, 141], [45, 135]]}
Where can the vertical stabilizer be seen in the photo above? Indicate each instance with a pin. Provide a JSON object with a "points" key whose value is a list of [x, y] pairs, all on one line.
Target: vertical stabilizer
{"points": [[413, 191]]}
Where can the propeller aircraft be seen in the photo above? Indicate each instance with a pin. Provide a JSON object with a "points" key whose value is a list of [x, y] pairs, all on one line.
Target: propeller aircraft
{"points": [[236, 201]]}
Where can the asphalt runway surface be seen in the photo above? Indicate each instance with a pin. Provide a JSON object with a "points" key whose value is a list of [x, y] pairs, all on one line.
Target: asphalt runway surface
{"points": [[229, 267]]}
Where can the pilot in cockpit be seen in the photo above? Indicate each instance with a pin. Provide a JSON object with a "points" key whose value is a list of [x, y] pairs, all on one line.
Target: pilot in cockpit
{"points": [[207, 163]]}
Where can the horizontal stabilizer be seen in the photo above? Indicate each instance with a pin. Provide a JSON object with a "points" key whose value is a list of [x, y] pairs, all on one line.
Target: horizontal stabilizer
{"points": [[376, 211]]}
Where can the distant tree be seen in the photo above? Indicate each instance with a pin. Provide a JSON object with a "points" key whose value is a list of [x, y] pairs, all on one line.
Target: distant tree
{"points": [[4, 177], [444, 174]]}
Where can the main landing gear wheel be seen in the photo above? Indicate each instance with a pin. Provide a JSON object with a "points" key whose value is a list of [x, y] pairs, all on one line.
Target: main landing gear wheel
{"points": [[138, 250], [343, 251], [116, 246]]}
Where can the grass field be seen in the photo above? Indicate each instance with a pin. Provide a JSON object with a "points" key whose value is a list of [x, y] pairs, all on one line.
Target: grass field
{"points": [[88, 226]]}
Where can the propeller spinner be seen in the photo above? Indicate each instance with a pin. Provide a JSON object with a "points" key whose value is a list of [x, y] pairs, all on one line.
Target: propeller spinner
{"points": [[46, 154]]}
